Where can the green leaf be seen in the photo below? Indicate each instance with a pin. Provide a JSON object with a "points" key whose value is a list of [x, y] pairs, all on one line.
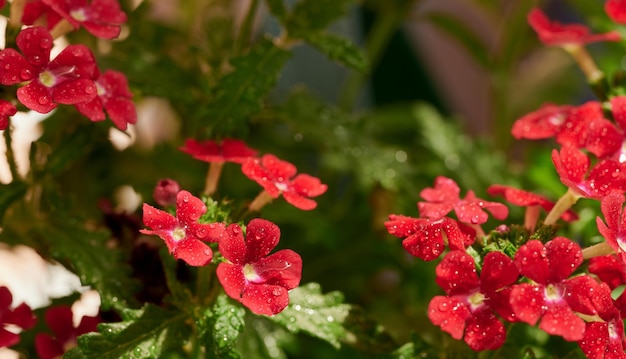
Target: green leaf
{"points": [[10, 193], [86, 253], [338, 49], [145, 333], [263, 339], [311, 15], [319, 315], [226, 323], [464, 35], [241, 92], [278, 9]]}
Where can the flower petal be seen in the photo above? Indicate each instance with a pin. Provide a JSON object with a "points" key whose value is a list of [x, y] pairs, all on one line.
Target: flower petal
{"points": [[261, 237], [283, 268], [193, 251], [265, 299], [232, 279]]}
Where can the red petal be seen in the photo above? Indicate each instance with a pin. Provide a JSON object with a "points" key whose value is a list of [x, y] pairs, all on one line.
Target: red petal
{"points": [[122, 112], [232, 279], [545, 122], [554, 33], [8, 339], [233, 246], [35, 43], [74, 91], [5, 298], [59, 319], [456, 274], [102, 31], [79, 58], [498, 272], [618, 108], [308, 186], [616, 9], [15, 68], [261, 237], [303, 203], [252, 169], [158, 220], [283, 268], [265, 299], [532, 261], [48, 347], [193, 251], [189, 208], [527, 302], [450, 314], [610, 269], [92, 109], [279, 171], [484, 331], [426, 243], [36, 97], [564, 257], [559, 319], [236, 150], [403, 226]]}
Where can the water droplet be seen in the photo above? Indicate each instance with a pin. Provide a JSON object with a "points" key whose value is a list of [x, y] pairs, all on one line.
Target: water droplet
{"points": [[25, 74], [43, 100]]}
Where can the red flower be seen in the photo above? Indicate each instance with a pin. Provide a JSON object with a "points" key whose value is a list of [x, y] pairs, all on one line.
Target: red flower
{"points": [[557, 34], [552, 297], [59, 319], [545, 122], [253, 277], [470, 304], [616, 9], [275, 176], [523, 198], [6, 110], [36, 12], [182, 234], [20, 316], [112, 94], [604, 338], [572, 166], [423, 237], [228, 150], [445, 196], [610, 269], [102, 18], [614, 231], [66, 80]]}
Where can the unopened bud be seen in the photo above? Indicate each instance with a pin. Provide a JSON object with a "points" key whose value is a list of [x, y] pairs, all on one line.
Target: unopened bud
{"points": [[165, 192]]}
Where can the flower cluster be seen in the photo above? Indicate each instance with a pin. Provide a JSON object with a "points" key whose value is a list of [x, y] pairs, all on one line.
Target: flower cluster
{"points": [[72, 77], [274, 175], [529, 273], [249, 274]]}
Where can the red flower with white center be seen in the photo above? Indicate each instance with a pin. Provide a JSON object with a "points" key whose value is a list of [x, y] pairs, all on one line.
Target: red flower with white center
{"points": [[604, 338], [553, 33], [444, 197], [251, 275], [424, 237], [68, 79], [553, 297], [572, 165], [614, 231], [227, 150], [277, 177], [20, 316], [468, 310], [182, 234], [60, 320], [102, 18], [112, 94], [530, 200], [543, 123], [6, 110], [616, 9]]}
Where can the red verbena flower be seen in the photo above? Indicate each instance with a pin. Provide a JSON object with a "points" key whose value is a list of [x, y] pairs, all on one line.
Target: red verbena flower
{"points": [[277, 177], [6, 110], [553, 33], [182, 234], [604, 338], [444, 197], [543, 123], [60, 321], [553, 297], [68, 79], [36, 13], [614, 231], [610, 269], [114, 96], [20, 316], [616, 9], [468, 309], [165, 192], [102, 18], [228, 150], [523, 198], [572, 165], [424, 237], [251, 275]]}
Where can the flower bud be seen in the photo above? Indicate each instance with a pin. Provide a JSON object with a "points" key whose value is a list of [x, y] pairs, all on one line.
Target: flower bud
{"points": [[165, 192]]}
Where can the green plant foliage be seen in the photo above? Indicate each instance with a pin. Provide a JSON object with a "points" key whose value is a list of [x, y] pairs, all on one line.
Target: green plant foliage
{"points": [[10, 193], [225, 323], [338, 49], [315, 15], [319, 315], [145, 333]]}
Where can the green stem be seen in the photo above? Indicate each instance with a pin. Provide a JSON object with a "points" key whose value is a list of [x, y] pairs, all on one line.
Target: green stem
{"points": [[10, 154], [203, 282], [561, 206], [245, 31], [600, 249], [377, 40]]}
